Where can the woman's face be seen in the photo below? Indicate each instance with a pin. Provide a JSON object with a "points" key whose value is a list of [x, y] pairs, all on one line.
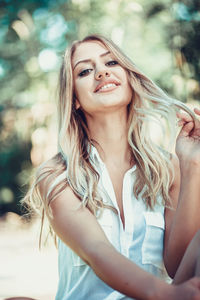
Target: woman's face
{"points": [[100, 83]]}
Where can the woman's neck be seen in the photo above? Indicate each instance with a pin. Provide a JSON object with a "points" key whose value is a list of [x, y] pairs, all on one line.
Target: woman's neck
{"points": [[110, 131]]}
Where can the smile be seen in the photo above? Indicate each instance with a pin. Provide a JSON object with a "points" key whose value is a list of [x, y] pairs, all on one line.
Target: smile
{"points": [[106, 86], [109, 85]]}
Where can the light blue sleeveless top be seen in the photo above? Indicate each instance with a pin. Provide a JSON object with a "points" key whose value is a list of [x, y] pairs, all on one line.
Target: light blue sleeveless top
{"points": [[141, 241]]}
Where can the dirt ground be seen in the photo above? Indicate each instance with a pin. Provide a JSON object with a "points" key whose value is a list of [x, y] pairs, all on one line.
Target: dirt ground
{"points": [[24, 269]]}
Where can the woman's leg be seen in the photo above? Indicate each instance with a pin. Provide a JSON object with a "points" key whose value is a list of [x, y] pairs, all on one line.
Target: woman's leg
{"points": [[190, 264]]}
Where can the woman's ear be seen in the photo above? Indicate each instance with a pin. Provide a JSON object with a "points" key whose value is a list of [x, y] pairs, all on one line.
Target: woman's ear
{"points": [[77, 104]]}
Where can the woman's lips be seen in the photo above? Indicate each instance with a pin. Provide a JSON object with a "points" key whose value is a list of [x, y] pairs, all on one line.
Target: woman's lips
{"points": [[106, 86]]}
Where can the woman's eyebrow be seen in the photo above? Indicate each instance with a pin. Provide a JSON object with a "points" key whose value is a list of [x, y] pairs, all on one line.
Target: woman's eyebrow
{"points": [[89, 60]]}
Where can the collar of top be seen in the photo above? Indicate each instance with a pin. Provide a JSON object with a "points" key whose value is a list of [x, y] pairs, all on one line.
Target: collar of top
{"points": [[96, 159]]}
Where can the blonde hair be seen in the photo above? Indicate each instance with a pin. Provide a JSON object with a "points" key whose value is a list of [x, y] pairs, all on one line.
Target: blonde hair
{"points": [[73, 163]]}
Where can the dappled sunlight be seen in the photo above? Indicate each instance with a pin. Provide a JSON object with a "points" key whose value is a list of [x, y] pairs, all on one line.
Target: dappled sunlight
{"points": [[161, 37], [21, 29], [44, 145], [47, 59], [26, 270]]}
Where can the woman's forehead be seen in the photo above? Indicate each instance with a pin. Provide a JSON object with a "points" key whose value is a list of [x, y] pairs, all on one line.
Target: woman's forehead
{"points": [[87, 50]]}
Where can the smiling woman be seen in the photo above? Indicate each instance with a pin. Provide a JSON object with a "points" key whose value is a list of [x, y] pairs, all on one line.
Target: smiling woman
{"points": [[100, 82], [112, 196]]}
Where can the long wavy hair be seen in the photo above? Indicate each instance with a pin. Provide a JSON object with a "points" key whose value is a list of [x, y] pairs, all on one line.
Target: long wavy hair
{"points": [[72, 165]]}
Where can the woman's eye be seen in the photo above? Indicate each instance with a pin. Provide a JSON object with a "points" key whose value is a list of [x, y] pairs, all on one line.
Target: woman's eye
{"points": [[112, 63], [84, 72]]}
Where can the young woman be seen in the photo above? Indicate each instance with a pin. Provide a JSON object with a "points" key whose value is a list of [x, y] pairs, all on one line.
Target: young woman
{"points": [[113, 197]]}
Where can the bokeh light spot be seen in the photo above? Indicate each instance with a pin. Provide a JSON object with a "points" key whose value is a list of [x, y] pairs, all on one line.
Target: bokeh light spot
{"points": [[47, 59], [6, 195]]}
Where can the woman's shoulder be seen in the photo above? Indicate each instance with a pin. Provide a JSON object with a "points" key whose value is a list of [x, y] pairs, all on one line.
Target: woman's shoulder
{"points": [[54, 185], [54, 163], [51, 171]]}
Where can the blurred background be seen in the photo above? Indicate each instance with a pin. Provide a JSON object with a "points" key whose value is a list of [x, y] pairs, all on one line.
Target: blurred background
{"points": [[161, 36]]}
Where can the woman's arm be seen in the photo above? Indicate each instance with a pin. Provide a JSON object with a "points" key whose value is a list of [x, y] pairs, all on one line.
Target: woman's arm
{"points": [[182, 225], [79, 229]]}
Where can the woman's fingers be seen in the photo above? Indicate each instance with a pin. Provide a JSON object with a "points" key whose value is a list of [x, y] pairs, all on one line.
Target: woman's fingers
{"points": [[184, 116], [190, 126], [186, 129], [180, 123], [197, 111]]}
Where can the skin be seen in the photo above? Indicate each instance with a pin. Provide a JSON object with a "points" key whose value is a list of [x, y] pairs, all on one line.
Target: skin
{"points": [[183, 224], [100, 67], [106, 112]]}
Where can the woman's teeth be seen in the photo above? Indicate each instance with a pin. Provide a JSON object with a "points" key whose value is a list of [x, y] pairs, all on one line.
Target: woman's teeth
{"points": [[107, 86]]}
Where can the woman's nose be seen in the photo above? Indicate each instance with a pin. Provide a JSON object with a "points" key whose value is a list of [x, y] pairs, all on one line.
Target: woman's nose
{"points": [[103, 73]]}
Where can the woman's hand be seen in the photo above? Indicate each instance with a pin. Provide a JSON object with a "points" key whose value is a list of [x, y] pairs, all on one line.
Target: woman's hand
{"points": [[189, 290], [188, 140]]}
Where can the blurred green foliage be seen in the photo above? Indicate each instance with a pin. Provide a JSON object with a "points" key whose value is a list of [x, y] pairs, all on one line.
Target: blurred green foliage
{"points": [[162, 37]]}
